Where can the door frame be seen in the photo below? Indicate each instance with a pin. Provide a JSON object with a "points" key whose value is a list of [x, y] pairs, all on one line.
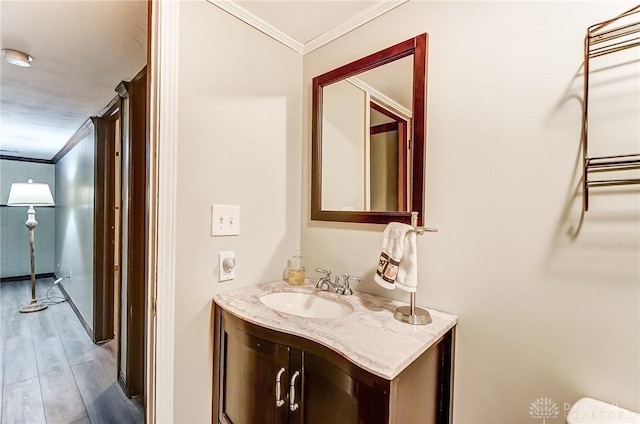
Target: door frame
{"points": [[104, 229], [402, 123], [163, 117], [135, 140]]}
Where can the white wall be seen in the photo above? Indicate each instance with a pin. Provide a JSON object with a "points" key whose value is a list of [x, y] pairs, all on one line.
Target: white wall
{"points": [[74, 223], [239, 142], [541, 315], [14, 236], [344, 125]]}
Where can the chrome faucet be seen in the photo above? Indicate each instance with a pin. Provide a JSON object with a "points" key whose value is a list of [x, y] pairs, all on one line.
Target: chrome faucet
{"points": [[324, 282], [345, 289], [340, 288]]}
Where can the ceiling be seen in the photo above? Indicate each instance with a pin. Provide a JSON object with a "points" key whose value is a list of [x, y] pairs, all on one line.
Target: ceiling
{"points": [[306, 20], [90, 46], [326, 15], [81, 51]]}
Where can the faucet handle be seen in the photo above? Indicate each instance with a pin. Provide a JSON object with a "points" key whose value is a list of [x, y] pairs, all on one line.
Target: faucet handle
{"points": [[348, 277], [326, 272], [323, 281], [345, 289]]}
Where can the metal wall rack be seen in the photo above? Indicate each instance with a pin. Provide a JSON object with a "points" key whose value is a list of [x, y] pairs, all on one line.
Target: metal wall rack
{"points": [[612, 36]]}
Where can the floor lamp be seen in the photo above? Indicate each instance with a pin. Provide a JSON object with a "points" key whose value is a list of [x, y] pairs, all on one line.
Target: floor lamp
{"points": [[31, 194]]}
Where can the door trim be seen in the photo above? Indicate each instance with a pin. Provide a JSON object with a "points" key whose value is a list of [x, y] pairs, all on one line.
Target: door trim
{"points": [[103, 236], [134, 111], [163, 118]]}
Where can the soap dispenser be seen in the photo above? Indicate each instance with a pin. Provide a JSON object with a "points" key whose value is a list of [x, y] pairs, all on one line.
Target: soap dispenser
{"points": [[296, 270]]}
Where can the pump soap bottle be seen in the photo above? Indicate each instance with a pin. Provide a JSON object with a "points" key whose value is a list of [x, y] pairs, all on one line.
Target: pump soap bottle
{"points": [[296, 270]]}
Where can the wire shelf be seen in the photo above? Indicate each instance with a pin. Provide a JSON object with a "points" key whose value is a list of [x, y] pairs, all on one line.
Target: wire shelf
{"points": [[611, 36]]}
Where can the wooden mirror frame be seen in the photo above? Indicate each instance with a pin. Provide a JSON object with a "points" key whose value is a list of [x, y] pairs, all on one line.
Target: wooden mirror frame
{"points": [[417, 47]]}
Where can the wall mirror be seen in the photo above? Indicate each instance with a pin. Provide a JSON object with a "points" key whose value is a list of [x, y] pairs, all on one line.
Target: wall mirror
{"points": [[368, 137]]}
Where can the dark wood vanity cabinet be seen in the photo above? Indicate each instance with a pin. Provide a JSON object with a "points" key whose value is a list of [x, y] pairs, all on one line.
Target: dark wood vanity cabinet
{"points": [[265, 376]]}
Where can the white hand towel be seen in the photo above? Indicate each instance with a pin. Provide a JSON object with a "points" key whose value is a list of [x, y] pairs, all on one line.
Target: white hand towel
{"points": [[398, 263]]}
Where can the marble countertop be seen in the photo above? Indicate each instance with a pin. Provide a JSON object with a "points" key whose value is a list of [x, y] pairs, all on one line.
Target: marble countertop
{"points": [[369, 337]]}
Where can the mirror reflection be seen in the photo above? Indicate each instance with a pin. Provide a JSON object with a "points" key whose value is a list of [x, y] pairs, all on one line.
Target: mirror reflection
{"points": [[368, 137], [366, 127]]}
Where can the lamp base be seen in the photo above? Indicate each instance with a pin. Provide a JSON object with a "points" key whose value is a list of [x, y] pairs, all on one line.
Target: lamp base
{"points": [[419, 317], [33, 307]]}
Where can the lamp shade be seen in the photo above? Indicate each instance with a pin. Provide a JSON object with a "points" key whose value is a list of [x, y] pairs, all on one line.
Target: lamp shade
{"points": [[30, 194]]}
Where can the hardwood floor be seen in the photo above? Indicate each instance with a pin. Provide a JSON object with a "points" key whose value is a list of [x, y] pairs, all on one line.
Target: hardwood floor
{"points": [[50, 371]]}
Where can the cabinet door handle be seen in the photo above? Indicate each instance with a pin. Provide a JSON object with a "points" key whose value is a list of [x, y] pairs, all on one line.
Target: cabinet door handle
{"points": [[279, 401], [292, 392]]}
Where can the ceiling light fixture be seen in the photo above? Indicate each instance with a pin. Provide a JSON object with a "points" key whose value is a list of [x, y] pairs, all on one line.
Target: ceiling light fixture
{"points": [[17, 58]]}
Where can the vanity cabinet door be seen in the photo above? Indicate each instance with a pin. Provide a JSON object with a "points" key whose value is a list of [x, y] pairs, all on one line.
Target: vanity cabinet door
{"points": [[330, 395], [249, 369]]}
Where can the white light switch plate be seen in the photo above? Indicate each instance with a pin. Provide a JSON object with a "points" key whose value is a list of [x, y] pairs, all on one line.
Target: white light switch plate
{"points": [[225, 220]]}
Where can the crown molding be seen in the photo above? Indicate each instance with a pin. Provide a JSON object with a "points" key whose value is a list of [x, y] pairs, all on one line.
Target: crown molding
{"points": [[26, 159], [84, 130], [258, 23], [368, 15], [381, 98]]}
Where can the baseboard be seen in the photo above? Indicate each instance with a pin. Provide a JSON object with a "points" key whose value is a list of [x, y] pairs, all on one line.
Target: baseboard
{"points": [[81, 318], [27, 277]]}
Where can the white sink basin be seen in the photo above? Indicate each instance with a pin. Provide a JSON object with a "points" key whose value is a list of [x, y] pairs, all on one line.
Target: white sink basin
{"points": [[306, 305]]}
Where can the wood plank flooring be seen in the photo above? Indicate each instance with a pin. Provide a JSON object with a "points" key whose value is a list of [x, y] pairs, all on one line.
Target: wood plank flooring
{"points": [[50, 372]]}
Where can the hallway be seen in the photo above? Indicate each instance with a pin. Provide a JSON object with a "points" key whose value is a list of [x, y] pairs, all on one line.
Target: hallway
{"points": [[50, 370]]}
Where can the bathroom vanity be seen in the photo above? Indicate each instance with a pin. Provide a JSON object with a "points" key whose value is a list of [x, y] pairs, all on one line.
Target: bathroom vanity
{"points": [[365, 367]]}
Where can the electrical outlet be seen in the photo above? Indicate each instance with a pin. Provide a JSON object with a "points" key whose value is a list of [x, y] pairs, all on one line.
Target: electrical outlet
{"points": [[226, 266]]}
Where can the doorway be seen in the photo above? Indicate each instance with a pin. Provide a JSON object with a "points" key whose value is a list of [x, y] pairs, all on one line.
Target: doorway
{"points": [[387, 160], [120, 249]]}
